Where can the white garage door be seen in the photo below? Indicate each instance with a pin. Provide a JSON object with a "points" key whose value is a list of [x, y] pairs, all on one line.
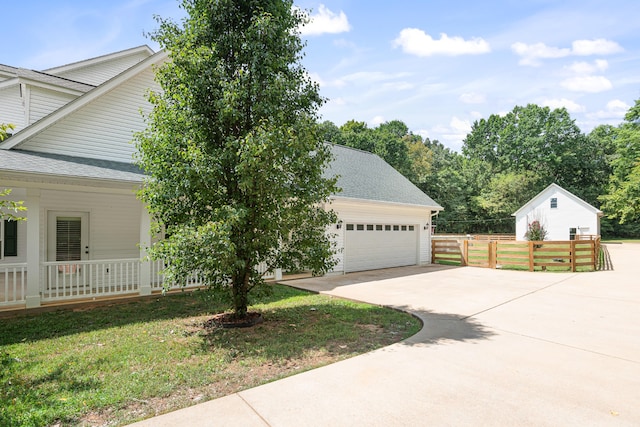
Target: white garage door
{"points": [[372, 246]]}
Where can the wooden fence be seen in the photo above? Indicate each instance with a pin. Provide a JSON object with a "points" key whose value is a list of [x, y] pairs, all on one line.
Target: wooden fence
{"points": [[572, 255]]}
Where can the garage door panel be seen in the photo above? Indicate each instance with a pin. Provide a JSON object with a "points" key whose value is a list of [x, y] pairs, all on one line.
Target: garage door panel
{"points": [[373, 249]]}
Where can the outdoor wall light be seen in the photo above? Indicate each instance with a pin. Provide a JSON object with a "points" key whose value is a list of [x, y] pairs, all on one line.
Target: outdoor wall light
{"points": [[339, 225]]}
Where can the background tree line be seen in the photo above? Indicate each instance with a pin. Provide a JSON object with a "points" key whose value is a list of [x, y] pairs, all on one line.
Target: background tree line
{"points": [[507, 160]]}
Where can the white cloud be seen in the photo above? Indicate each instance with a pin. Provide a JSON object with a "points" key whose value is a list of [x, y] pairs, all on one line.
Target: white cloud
{"points": [[460, 126], [376, 121], [583, 67], [613, 112], [416, 42], [532, 53], [326, 22], [571, 106], [367, 78], [591, 84], [472, 98], [595, 47]]}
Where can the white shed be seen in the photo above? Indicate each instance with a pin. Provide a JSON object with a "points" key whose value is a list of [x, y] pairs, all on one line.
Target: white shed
{"points": [[561, 213]]}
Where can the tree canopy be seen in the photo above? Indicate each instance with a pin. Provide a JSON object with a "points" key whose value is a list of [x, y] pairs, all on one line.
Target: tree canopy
{"points": [[507, 159], [622, 199], [232, 149]]}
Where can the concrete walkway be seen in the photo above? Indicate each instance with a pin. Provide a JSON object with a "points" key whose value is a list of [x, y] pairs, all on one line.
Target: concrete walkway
{"points": [[497, 348]]}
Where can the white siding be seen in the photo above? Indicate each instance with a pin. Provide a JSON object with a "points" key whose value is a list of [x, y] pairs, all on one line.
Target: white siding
{"points": [[98, 73], [114, 221], [11, 109], [570, 213], [102, 129], [45, 101], [352, 211]]}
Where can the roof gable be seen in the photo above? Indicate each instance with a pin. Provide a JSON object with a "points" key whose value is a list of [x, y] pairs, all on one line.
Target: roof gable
{"points": [[556, 188], [47, 133], [98, 70], [366, 176]]}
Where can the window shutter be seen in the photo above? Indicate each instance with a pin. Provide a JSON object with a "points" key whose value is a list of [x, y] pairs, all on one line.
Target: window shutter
{"points": [[10, 238], [68, 246]]}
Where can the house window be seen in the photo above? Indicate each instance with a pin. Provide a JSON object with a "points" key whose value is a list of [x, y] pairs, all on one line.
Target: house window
{"points": [[10, 238], [554, 203], [68, 243]]}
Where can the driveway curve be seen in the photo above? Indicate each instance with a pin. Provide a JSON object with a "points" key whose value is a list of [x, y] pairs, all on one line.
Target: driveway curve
{"points": [[498, 347]]}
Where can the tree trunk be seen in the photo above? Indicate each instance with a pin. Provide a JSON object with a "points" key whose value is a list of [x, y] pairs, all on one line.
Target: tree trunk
{"points": [[240, 293]]}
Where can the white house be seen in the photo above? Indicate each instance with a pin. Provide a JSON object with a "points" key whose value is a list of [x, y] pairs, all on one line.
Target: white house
{"points": [[70, 160], [564, 215]]}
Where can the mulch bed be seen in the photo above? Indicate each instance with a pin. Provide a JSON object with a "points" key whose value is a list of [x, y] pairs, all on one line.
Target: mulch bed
{"points": [[231, 320]]}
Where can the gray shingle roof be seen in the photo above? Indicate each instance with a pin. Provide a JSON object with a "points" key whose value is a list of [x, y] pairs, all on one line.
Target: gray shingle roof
{"points": [[363, 175], [68, 166]]}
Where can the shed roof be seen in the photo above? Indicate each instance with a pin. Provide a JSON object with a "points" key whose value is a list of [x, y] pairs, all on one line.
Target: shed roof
{"points": [[366, 176]]}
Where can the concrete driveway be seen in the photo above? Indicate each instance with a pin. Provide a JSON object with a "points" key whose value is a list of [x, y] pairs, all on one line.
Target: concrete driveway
{"points": [[497, 348]]}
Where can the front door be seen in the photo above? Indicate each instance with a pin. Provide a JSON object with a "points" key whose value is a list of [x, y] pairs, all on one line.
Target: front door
{"points": [[68, 236]]}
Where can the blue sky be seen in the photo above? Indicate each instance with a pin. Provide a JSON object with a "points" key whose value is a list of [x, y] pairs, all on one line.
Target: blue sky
{"points": [[436, 65]]}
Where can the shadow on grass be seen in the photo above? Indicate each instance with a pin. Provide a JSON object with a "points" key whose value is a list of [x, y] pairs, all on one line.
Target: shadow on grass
{"points": [[87, 318], [296, 336]]}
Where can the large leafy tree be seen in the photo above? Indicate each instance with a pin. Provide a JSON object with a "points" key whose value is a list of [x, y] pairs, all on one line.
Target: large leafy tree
{"points": [[534, 138], [232, 149], [622, 201]]}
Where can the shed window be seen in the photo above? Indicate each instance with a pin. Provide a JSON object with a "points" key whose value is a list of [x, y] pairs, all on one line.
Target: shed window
{"points": [[10, 238], [554, 203]]}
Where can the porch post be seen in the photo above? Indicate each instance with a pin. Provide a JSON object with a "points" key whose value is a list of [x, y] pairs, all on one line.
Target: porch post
{"points": [[32, 297], [145, 241]]}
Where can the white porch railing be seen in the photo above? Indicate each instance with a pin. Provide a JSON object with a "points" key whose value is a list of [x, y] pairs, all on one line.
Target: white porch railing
{"points": [[157, 279], [87, 280], [13, 284], [90, 279]]}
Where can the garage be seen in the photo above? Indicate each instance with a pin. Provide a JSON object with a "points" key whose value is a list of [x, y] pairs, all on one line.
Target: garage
{"points": [[374, 246]]}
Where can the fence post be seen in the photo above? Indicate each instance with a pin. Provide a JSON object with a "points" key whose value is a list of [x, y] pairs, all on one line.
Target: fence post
{"points": [[433, 251], [493, 253], [465, 252], [531, 247], [573, 255]]}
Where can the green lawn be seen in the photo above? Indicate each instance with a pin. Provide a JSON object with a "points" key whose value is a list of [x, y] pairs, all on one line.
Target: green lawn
{"points": [[128, 361]]}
